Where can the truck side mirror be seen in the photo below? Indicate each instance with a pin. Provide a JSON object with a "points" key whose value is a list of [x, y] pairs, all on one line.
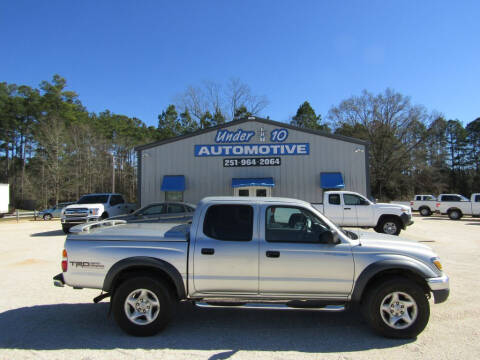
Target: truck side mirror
{"points": [[329, 237]]}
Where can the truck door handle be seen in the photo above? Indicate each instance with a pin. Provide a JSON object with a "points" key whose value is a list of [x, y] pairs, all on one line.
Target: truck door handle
{"points": [[208, 251], [273, 254], [347, 208]]}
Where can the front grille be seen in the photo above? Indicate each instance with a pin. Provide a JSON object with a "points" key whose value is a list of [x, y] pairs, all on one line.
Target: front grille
{"points": [[80, 212]]}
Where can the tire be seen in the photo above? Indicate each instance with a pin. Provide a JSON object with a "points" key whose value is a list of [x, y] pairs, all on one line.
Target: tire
{"points": [[66, 229], [379, 304], [150, 291], [390, 226], [455, 214], [104, 216], [424, 211], [47, 217]]}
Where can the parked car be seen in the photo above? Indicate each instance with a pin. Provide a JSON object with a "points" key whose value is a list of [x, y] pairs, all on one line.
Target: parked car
{"points": [[456, 206], [4, 199], [94, 207], [424, 204], [258, 253], [160, 212], [346, 208], [54, 212]]}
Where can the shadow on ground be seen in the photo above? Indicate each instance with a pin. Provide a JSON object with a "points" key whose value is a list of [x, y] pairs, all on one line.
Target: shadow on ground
{"points": [[86, 326], [445, 218], [474, 223], [49, 233]]}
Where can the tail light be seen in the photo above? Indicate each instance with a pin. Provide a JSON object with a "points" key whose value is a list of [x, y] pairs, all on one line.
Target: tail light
{"points": [[411, 203], [64, 260], [437, 204]]}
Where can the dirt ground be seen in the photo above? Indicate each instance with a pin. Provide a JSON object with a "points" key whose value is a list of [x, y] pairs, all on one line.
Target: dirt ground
{"points": [[40, 321]]}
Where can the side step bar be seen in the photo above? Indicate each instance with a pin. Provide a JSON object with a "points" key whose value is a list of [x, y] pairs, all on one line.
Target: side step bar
{"points": [[266, 306]]}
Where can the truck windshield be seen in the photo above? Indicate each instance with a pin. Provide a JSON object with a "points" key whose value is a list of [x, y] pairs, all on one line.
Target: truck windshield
{"points": [[93, 199]]}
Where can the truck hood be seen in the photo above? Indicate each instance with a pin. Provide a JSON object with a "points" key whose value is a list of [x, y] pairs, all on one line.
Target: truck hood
{"points": [[83, 206], [382, 243], [392, 206]]}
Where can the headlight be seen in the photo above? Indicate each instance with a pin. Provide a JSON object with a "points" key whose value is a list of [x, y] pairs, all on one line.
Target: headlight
{"points": [[437, 263], [94, 211]]}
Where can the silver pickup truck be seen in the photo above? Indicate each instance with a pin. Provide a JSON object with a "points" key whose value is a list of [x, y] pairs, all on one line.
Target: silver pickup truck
{"points": [[259, 253]]}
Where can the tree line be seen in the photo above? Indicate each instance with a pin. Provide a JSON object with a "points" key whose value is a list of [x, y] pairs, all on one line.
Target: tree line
{"points": [[52, 149]]}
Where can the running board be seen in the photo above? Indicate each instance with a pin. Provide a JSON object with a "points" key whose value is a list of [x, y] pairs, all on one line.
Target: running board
{"points": [[270, 307]]}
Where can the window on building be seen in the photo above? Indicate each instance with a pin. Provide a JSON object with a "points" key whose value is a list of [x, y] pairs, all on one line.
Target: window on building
{"points": [[243, 192], [173, 195], [229, 222], [292, 224], [262, 192]]}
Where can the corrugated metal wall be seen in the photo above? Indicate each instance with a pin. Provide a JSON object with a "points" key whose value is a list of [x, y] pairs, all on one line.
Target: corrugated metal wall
{"points": [[298, 176]]}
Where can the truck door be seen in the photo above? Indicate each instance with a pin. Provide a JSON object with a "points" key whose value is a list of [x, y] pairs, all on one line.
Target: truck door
{"points": [[364, 209], [226, 250], [333, 208], [476, 204], [293, 259], [350, 210]]}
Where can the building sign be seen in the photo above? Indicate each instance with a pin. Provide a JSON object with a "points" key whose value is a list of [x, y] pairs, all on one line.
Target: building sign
{"points": [[241, 162], [252, 149], [233, 143]]}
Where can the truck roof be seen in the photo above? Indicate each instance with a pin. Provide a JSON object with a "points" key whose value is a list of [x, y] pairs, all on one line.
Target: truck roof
{"points": [[252, 199]]}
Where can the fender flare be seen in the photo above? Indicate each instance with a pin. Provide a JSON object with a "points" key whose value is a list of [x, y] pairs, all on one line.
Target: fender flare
{"points": [[392, 264], [145, 262]]}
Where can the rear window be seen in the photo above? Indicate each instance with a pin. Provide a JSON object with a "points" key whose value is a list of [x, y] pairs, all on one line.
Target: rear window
{"points": [[451, 198], [229, 222]]}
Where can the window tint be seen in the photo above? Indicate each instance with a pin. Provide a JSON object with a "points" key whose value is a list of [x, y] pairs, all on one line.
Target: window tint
{"points": [[451, 198], [173, 196], [429, 198], [291, 224], [229, 222], [334, 199], [243, 192], [116, 199], [350, 199], [93, 199], [175, 209], [153, 210], [418, 197], [477, 198]]}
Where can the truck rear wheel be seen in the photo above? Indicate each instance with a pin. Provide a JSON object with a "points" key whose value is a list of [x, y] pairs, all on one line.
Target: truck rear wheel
{"points": [[389, 225], [142, 306], [397, 308], [425, 211], [455, 214]]}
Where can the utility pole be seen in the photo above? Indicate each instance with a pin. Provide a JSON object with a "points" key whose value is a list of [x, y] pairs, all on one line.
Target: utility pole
{"points": [[113, 173]]}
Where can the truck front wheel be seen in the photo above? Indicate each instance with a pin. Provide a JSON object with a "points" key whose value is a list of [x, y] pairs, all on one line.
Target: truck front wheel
{"points": [[389, 225], [142, 306], [396, 308]]}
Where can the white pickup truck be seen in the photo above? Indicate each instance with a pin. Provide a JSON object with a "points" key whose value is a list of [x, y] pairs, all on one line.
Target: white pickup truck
{"points": [[425, 204], [346, 208], [456, 206], [94, 207], [4, 199]]}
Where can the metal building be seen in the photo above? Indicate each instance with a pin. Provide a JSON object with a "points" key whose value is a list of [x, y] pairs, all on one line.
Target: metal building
{"points": [[251, 157]]}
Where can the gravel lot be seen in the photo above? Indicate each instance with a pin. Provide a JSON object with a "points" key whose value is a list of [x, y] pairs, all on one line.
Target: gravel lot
{"points": [[40, 321]]}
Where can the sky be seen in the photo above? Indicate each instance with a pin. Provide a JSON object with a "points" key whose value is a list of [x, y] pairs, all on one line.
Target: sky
{"points": [[134, 57]]}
